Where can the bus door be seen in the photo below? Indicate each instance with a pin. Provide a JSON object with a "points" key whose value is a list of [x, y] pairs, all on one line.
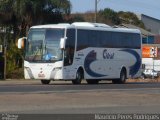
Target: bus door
{"points": [[69, 69]]}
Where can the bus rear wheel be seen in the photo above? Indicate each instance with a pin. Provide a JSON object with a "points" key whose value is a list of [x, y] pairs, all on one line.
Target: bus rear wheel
{"points": [[45, 82], [122, 78], [79, 77]]}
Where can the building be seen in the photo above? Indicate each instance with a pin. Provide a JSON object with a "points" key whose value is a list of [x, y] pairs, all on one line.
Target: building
{"points": [[147, 37], [152, 24], [150, 41]]}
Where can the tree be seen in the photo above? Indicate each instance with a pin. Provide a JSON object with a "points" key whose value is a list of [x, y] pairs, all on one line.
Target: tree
{"points": [[63, 6], [109, 16], [130, 18], [21, 14], [18, 15], [25, 13], [74, 18]]}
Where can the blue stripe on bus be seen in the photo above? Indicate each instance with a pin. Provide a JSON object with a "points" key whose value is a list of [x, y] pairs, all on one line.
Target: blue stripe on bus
{"points": [[134, 68], [91, 57]]}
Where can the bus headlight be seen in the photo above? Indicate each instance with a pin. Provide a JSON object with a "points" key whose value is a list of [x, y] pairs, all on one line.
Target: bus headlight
{"points": [[57, 68], [29, 72]]}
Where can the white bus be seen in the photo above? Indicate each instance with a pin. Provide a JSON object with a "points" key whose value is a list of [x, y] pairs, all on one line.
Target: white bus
{"points": [[82, 50]]}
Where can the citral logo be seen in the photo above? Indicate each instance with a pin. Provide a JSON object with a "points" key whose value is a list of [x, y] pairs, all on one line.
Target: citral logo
{"points": [[107, 55]]}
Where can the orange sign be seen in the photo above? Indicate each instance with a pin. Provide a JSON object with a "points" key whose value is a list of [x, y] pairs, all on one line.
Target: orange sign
{"points": [[149, 52]]}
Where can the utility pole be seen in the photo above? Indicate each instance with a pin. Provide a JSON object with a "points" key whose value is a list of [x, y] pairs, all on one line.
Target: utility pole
{"points": [[5, 53], [96, 2], [96, 6]]}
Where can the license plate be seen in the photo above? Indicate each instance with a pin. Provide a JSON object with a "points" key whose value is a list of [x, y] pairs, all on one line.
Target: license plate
{"points": [[41, 75]]}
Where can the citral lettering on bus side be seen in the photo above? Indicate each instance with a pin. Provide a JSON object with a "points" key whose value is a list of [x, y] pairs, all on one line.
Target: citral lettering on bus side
{"points": [[107, 55]]}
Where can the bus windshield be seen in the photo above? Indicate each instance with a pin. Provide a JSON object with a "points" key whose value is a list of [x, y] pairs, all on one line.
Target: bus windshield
{"points": [[43, 45]]}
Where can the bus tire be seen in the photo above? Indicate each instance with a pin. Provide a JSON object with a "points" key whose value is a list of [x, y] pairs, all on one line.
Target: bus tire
{"points": [[45, 82], [122, 79], [79, 77], [92, 81]]}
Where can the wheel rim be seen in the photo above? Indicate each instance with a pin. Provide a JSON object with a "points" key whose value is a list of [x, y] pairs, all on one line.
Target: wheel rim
{"points": [[123, 77], [78, 77]]}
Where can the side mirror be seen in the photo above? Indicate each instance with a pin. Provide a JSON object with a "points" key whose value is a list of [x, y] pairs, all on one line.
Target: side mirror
{"points": [[62, 43], [21, 42]]}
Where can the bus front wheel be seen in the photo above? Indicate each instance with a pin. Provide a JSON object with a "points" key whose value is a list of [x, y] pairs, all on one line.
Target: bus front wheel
{"points": [[79, 77], [45, 82]]}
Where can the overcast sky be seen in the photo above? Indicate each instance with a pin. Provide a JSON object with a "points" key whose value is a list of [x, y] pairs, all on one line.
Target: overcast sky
{"points": [[147, 7]]}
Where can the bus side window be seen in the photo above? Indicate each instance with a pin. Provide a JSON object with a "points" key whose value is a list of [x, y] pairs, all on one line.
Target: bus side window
{"points": [[70, 47]]}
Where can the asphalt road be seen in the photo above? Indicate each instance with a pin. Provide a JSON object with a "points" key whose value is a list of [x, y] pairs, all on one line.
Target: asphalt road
{"points": [[68, 87], [65, 98]]}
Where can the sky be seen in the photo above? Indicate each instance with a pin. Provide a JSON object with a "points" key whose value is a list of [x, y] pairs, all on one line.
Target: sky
{"points": [[147, 7]]}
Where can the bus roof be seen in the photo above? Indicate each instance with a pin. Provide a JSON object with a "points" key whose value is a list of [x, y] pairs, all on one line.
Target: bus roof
{"points": [[88, 25], [64, 25]]}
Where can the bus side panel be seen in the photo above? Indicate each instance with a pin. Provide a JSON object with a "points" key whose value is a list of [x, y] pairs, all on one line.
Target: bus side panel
{"points": [[106, 63]]}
